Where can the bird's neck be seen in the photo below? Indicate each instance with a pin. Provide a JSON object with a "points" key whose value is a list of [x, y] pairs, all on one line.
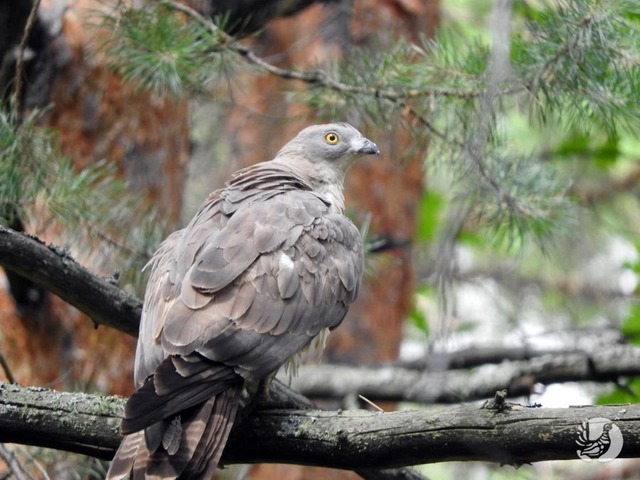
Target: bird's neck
{"points": [[324, 180], [334, 193]]}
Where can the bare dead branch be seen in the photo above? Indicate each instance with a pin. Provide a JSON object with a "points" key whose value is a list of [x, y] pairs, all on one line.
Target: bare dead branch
{"points": [[15, 469], [577, 341], [450, 386]]}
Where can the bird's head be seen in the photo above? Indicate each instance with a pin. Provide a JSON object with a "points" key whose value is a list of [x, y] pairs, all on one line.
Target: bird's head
{"points": [[322, 154], [333, 144]]}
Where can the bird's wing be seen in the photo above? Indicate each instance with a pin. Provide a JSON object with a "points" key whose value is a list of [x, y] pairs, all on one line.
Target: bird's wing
{"points": [[252, 279], [264, 285]]}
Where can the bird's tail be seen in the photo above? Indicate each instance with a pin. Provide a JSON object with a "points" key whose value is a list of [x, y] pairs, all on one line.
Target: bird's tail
{"points": [[187, 445]]}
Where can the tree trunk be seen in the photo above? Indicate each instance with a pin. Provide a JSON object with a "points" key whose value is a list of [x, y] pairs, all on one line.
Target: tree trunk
{"points": [[96, 116]]}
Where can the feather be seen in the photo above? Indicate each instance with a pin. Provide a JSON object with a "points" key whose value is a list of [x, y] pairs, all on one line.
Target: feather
{"points": [[172, 435]]}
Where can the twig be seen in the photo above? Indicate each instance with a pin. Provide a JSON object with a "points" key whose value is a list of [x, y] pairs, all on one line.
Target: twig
{"points": [[20, 60], [36, 464], [366, 400]]}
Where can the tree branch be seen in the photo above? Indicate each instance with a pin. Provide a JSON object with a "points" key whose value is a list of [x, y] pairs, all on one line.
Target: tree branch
{"points": [[352, 440], [20, 60], [450, 386], [52, 268], [569, 342]]}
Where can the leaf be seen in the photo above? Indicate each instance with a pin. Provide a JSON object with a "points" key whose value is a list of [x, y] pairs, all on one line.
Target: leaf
{"points": [[419, 320]]}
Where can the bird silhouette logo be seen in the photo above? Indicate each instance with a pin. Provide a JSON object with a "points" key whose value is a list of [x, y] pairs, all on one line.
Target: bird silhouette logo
{"points": [[599, 439]]}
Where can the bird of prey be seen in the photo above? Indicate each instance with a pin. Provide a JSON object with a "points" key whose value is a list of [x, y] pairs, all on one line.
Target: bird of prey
{"points": [[268, 265]]}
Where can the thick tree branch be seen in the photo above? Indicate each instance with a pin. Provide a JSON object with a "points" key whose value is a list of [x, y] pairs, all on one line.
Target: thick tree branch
{"points": [[52, 268], [350, 440], [450, 386], [88, 424]]}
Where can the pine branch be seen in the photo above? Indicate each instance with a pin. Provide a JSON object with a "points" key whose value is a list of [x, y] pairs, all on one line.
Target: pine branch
{"points": [[355, 440], [318, 77]]}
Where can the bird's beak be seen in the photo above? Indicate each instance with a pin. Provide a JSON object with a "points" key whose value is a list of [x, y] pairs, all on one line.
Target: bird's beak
{"points": [[368, 148]]}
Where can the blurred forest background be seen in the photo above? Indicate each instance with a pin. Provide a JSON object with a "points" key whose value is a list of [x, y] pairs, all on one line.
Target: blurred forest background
{"points": [[503, 219]]}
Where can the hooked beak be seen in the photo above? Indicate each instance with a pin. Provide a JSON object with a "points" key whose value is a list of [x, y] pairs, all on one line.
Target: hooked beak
{"points": [[368, 148]]}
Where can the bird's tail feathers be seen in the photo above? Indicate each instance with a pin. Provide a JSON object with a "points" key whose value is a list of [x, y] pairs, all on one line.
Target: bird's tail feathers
{"points": [[186, 446], [131, 449]]}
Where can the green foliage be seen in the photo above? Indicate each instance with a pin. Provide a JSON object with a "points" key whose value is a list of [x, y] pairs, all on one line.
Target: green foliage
{"points": [[631, 326], [18, 154], [627, 392], [579, 62], [573, 66], [429, 216], [158, 49], [40, 185], [417, 315]]}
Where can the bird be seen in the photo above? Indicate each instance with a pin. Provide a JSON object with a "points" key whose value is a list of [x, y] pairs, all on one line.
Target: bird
{"points": [[266, 268]]}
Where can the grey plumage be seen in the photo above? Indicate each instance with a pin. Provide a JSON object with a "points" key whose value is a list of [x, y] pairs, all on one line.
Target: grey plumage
{"points": [[266, 265]]}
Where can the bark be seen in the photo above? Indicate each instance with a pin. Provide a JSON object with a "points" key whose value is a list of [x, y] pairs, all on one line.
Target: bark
{"points": [[351, 440], [96, 116], [53, 268]]}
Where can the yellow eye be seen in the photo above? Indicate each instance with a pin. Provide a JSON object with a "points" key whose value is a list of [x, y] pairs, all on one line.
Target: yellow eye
{"points": [[331, 138]]}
